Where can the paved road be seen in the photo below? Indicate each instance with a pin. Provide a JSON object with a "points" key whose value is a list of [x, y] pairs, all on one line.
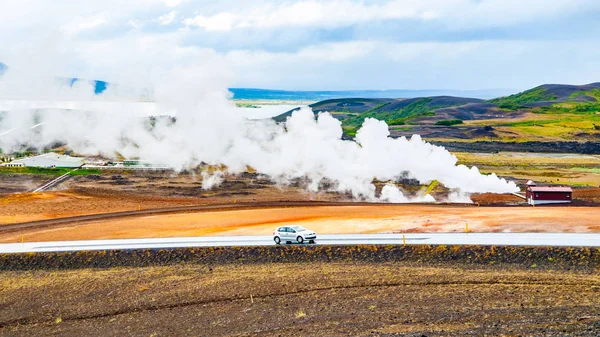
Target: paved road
{"points": [[516, 239]]}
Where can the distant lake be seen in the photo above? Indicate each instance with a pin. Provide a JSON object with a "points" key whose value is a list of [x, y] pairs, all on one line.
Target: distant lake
{"points": [[284, 95]]}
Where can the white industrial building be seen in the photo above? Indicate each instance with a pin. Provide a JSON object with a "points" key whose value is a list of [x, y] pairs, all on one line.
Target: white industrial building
{"points": [[50, 159]]}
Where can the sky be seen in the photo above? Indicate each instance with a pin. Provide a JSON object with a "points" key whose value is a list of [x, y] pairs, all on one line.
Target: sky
{"points": [[311, 44]]}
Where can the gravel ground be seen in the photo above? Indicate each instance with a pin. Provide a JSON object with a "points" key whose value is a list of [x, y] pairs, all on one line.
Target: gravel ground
{"points": [[295, 299]]}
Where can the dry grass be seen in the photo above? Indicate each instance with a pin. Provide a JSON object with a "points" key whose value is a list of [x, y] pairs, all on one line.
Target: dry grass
{"points": [[510, 159], [545, 127], [576, 170]]}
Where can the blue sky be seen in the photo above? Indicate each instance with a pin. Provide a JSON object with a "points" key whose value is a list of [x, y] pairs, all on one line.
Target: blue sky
{"points": [[314, 45]]}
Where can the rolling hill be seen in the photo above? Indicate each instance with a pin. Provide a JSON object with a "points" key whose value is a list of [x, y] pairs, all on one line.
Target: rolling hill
{"points": [[547, 112], [549, 94], [402, 111]]}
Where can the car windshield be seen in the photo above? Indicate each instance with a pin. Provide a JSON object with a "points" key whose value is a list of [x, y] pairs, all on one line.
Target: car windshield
{"points": [[298, 228]]}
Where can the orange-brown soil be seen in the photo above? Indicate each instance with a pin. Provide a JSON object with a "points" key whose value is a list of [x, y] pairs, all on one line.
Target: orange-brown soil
{"points": [[25, 207], [108, 193], [327, 219]]}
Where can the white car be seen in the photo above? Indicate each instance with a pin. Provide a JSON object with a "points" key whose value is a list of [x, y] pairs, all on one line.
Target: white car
{"points": [[291, 234]]}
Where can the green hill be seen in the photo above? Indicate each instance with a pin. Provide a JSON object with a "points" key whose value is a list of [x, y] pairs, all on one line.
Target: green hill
{"points": [[537, 94], [548, 94], [400, 112], [546, 112]]}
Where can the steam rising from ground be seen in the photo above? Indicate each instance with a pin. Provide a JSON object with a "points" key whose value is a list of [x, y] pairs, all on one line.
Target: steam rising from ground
{"points": [[211, 130]]}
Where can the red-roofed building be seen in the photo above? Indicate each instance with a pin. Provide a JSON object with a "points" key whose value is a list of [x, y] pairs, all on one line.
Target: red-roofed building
{"points": [[537, 195]]}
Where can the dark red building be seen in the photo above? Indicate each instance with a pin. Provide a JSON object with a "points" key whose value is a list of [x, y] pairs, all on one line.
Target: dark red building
{"points": [[537, 195]]}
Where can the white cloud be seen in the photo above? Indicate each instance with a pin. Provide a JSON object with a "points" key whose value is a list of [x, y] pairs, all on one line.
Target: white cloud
{"points": [[295, 44], [336, 13], [323, 54], [419, 65], [167, 19], [173, 3], [310, 13], [82, 14], [219, 22], [80, 24]]}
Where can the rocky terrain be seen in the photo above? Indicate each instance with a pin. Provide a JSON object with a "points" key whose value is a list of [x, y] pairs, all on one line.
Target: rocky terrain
{"points": [[276, 291]]}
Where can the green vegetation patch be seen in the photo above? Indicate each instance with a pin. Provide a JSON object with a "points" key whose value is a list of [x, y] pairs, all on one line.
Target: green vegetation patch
{"points": [[587, 170], [419, 108], [58, 171], [85, 172], [414, 109], [594, 93], [350, 131], [584, 108], [514, 102]]}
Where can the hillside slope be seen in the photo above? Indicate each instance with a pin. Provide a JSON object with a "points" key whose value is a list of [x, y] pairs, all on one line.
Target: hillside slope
{"points": [[548, 112], [548, 94], [343, 107], [399, 112]]}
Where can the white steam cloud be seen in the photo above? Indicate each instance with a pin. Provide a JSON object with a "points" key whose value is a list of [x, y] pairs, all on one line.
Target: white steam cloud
{"points": [[211, 129]]}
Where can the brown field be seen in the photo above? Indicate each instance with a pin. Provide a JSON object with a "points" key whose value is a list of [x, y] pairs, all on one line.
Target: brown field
{"points": [[142, 190], [292, 299], [325, 220], [134, 191]]}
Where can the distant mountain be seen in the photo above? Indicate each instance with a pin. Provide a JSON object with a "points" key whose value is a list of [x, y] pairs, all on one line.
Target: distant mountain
{"points": [[430, 115], [394, 111], [266, 94]]}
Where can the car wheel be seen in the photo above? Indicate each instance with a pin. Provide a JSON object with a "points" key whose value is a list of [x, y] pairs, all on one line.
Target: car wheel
{"points": [[300, 239], [277, 240], [311, 241]]}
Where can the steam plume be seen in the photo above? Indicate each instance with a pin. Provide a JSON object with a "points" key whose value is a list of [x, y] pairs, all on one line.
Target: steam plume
{"points": [[211, 129]]}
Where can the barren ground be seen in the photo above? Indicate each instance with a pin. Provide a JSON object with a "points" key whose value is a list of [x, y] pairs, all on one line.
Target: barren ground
{"points": [[130, 191], [287, 299], [326, 220]]}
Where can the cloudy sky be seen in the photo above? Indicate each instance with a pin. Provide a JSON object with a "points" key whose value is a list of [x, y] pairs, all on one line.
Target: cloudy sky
{"points": [[312, 44]]}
